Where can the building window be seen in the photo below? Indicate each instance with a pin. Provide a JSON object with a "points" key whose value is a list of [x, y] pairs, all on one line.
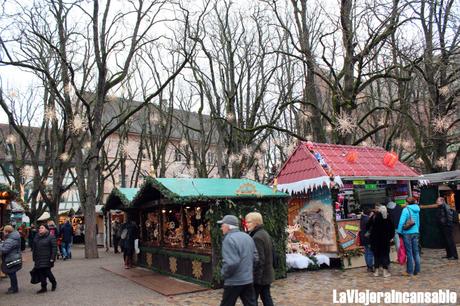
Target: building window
{"points": [[177, 155], [211, 158]]}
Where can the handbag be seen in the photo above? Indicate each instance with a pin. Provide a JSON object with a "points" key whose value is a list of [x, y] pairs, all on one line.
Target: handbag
{"points": [[409, 222], [15, 261], [34, 276]]}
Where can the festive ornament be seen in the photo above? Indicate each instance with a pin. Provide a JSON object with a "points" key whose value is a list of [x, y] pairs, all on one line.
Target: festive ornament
{"points": [[173, 264], [390, 159], [351, 157], [309, 145], [197, 269]]}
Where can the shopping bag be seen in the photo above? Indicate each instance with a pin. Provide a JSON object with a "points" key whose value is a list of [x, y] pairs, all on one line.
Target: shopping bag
{"points": [[402, 257], [136, 246], [34, 277]]}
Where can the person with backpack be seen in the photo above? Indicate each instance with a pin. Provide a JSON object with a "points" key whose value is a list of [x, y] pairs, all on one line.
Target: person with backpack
{"points": [[128, 235], [409, 228], [264, 273], [447, 217]]}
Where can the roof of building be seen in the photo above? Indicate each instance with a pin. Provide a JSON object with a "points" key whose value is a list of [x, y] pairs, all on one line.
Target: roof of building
{"points": [[181, 190], [302, 165], [448, 176], [120, 198]]}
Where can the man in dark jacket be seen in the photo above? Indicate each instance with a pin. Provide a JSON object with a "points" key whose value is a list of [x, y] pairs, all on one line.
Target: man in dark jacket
{"points": [[395, 212], [11, 256], [66, 233], [44, 255], [364, 234], [264, 274], [239, 254], [446, 217]]}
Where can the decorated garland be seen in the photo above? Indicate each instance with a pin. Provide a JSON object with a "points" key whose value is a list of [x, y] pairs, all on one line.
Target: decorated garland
{"points": [[275, 222]]}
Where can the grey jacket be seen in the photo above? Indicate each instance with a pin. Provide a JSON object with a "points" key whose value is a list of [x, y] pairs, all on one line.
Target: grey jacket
{"points": [[239, 255], [11, 250]]}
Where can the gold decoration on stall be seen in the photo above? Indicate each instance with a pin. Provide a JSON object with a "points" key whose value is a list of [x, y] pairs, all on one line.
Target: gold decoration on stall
{"points": [[149, 259], [173, 264], [197, 269], [246, 188]]}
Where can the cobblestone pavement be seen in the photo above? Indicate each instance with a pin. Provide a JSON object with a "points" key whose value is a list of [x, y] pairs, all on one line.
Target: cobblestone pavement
{"points": [[83, 282]]}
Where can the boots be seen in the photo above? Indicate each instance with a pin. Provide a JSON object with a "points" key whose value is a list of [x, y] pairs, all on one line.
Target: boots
{"points": [[43, 290], [386, 273]]}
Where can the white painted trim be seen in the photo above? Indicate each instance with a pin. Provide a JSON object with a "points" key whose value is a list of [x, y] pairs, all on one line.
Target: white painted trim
{"points": [[313, 183]]}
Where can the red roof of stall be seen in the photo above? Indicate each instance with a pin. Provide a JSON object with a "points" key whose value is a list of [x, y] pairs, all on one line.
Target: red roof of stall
{"points": [[302, 165]]}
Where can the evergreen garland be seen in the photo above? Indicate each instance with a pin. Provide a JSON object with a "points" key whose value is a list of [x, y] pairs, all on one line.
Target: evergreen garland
{"points": [[274, 213]]}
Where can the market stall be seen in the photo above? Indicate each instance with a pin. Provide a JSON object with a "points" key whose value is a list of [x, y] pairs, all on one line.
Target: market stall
{"points": [[116, 205], [330, 184], [434, 185], [7, 195], [177, 219]]}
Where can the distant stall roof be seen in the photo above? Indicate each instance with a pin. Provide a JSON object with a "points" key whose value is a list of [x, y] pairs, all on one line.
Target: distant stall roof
{"points": [[120, 198], [448, 176], [303, 171], [190, 189]]}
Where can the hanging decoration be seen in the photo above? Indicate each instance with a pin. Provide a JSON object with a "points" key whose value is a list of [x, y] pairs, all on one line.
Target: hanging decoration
{"points": [[197, 269], [173, 264], [309, 145], [390, 159], [351, 157]]}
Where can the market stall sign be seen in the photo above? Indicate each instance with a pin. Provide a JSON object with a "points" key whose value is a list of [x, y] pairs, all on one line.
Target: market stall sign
{"points": [[370, 186], [246, 188], [400, 202], [359, 182]]}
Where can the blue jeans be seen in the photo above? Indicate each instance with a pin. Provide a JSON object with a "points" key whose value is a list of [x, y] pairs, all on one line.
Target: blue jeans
{"points": [[66, 249], [368, 256], [412, 252]]}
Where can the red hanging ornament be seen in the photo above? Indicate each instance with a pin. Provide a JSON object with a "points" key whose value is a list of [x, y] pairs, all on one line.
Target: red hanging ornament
{"points": [[351, 156], [390, 159], [309, 145], [244, 225]]}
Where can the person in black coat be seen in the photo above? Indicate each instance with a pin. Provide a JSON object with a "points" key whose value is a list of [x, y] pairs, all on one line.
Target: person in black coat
{"points": [[382, 232], [44, 255], [364, 239], [264, 274], [129, 234], [11, 252], [446, 224]]}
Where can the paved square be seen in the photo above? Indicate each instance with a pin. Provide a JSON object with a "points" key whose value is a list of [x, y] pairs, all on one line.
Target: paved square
{"points": [[84, 282]]}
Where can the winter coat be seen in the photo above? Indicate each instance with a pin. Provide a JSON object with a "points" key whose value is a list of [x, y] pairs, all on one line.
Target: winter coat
{"points": [[66, 232], [264, 274], [363, 229], [11, 250], [239, 254], [44, 251], [382, 231], [415, 214], [128, 243], [444, 217], [395, 214]]}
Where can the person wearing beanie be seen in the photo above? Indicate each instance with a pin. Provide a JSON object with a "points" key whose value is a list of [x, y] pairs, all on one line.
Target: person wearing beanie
{"points": [[381, 233], [239, 255], [44, 254]]}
